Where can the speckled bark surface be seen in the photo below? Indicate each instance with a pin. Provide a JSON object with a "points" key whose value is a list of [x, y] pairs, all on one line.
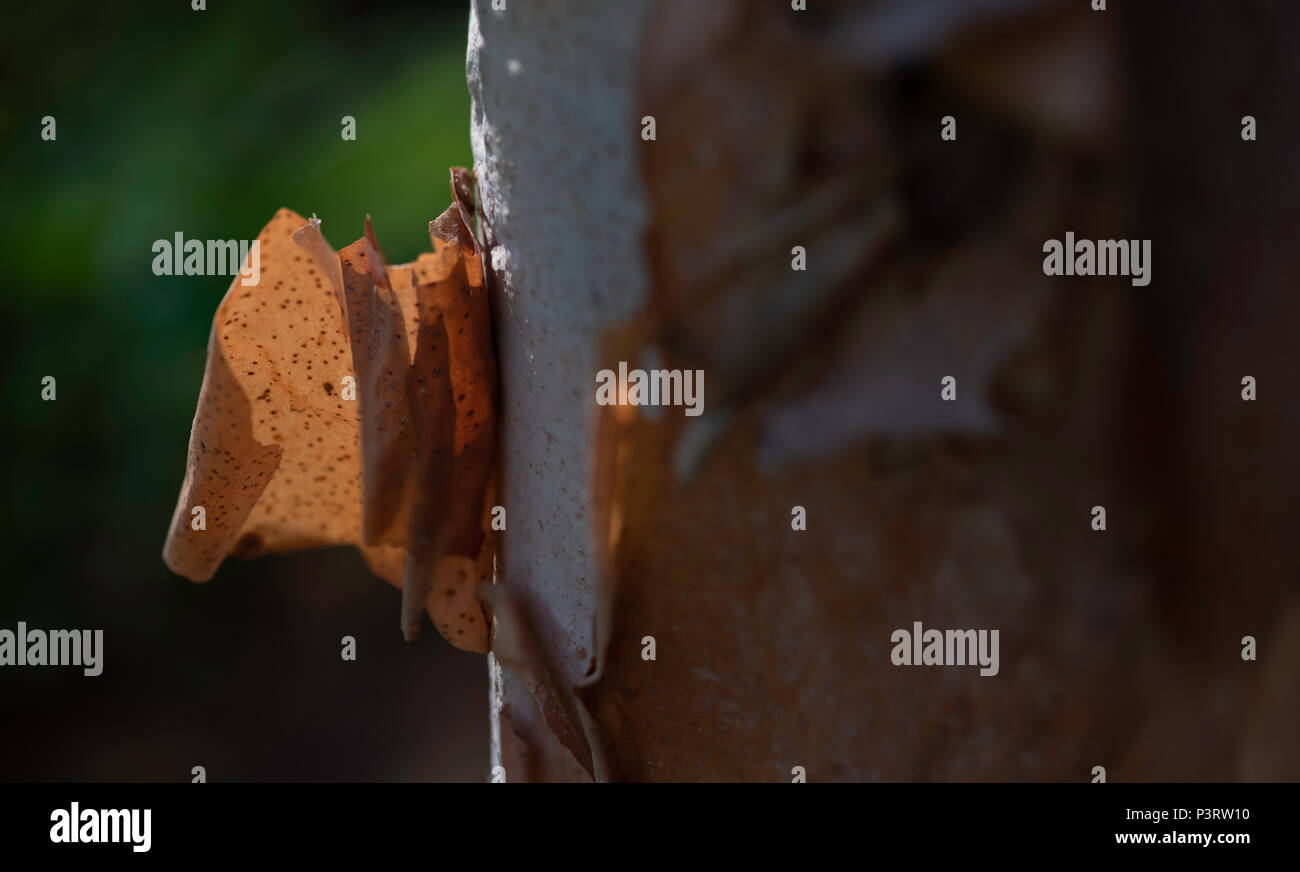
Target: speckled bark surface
{"points": [[554, 136]]}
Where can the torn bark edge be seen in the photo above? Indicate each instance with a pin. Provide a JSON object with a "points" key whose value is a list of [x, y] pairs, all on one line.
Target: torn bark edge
{"points": [[461, 232], [464, 193], [310, 238], [421, 564], [515, 647]]}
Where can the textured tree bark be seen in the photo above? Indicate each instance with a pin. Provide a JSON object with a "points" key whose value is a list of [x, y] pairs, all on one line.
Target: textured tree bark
{"points": [[554, 137], [822, 392]]}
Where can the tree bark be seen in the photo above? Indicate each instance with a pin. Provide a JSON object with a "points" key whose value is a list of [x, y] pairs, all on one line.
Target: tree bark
{"points": [[554, 138], [776, 131]]}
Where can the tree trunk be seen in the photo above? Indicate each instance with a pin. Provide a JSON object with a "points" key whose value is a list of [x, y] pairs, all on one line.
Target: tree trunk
{"points": [[782, 135], [554, 137]]}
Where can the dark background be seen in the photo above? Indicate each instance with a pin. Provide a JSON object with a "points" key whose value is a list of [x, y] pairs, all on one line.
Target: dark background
{"points": [[205, 123]]}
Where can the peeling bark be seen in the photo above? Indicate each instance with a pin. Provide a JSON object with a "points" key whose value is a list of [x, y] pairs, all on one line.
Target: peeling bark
{"points": [[773, 645]]}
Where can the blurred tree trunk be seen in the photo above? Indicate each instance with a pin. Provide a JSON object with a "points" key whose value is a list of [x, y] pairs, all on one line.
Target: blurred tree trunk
{"points": [[777, 129]]}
